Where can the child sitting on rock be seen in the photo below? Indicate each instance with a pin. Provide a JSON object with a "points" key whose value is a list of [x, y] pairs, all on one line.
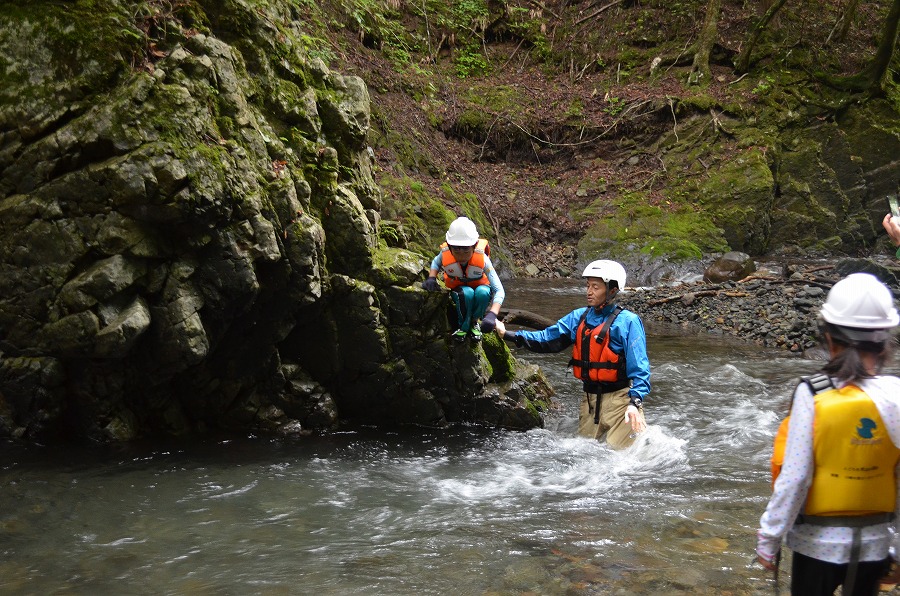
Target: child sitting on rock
{"points": [[471, 279]]}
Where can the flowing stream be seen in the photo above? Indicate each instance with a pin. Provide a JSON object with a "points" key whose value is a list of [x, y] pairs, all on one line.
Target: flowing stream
{"points": [[464, 511]]}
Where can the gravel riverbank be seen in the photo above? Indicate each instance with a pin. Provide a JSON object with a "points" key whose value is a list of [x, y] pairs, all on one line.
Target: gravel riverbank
{"points": [[772, 307]]}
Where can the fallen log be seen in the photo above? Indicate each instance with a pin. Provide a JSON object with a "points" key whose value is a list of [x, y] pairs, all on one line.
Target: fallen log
{"points": [[754, 277], [525, 318], [699, 294]]}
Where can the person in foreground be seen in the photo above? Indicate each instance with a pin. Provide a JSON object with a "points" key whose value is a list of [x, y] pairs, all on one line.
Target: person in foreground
{"points": [[609, 356], [836, 494], [470, 275]]}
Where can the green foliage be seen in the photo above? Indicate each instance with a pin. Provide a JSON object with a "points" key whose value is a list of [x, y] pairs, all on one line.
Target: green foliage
{"points": [[461, 14], [380, 27], [316, 47], [392, 233], [892, 85], [470, 62], [575, 110], [764, 85], [614, 105]]}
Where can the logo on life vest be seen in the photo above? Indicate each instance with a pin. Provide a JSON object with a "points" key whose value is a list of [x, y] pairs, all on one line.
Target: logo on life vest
{"points": [[867, 425], [866, 432]]}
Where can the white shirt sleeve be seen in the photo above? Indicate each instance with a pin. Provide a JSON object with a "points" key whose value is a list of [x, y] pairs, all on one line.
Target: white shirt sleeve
{"points": [[792, 485], [885, 392]]}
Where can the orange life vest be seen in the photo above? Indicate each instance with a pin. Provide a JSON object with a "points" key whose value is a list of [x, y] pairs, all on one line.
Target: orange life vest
{"points": [[592, 358], [473, 275]]}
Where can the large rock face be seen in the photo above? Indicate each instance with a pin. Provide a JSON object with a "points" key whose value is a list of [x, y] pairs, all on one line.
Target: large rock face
{"points": [[833, 180], [192, 243]]}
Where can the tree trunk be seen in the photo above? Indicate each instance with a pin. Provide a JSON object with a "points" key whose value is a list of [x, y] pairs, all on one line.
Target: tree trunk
{"points": [[879, 66], [843, 24], [700, 73], [743, 63], [871, 78]]}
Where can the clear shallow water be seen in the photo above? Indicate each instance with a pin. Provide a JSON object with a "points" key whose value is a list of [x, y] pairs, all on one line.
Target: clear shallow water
{"points": [[465, 511]]}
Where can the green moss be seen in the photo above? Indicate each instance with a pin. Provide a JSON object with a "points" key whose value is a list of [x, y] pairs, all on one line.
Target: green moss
{"points": [[409, 154], [396, 267], [677, 232], [420, 216], [532, 409], [496, 98], [502, 363], [468, 204], [64, 51], [698, 101]]}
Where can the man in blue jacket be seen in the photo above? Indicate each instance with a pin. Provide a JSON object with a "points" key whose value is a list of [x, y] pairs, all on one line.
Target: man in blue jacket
{"points": [[609, 356]]}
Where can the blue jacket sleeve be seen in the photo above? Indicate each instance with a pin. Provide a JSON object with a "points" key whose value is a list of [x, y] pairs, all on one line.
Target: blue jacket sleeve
{"points": [[436, 262], [555, 338], [637, 364]]}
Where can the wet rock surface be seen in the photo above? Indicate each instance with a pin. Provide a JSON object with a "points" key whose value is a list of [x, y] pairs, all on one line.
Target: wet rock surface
{"points": [[195, 247]]}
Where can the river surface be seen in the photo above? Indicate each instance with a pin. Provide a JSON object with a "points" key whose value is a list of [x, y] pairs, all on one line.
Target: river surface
{"points": [[464, 511]]}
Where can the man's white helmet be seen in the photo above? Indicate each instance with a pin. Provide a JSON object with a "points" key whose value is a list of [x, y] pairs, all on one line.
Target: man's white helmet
{"points": [[863, 304], [607, 271], [462, 232]]}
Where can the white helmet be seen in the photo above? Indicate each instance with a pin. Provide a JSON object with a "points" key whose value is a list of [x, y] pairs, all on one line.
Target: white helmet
{"points": [[607, 271], [462, 232], [862, 303]]}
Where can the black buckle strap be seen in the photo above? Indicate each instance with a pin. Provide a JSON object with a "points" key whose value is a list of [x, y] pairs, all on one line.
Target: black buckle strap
{"points": [[598, 389], [818, 382], [846, 521]]}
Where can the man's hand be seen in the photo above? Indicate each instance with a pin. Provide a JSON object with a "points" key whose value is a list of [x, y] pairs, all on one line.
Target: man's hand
{"points": [[430, 284], [634, 418]]}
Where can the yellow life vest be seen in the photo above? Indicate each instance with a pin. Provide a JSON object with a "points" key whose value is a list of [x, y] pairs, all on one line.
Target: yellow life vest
{"points": [[817, 383], [853, 454]]}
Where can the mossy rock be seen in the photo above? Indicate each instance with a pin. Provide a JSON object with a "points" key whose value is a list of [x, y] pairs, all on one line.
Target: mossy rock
{"points": [[503, 364], [638, 225], [396, 267]]}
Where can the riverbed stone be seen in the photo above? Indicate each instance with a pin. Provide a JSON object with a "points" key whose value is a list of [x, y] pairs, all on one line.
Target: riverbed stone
{"points": [[732, 265], [764, 309]]}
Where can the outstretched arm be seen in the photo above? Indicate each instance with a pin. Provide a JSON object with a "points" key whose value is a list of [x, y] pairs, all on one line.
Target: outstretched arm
{"points": [[554, 338]]}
